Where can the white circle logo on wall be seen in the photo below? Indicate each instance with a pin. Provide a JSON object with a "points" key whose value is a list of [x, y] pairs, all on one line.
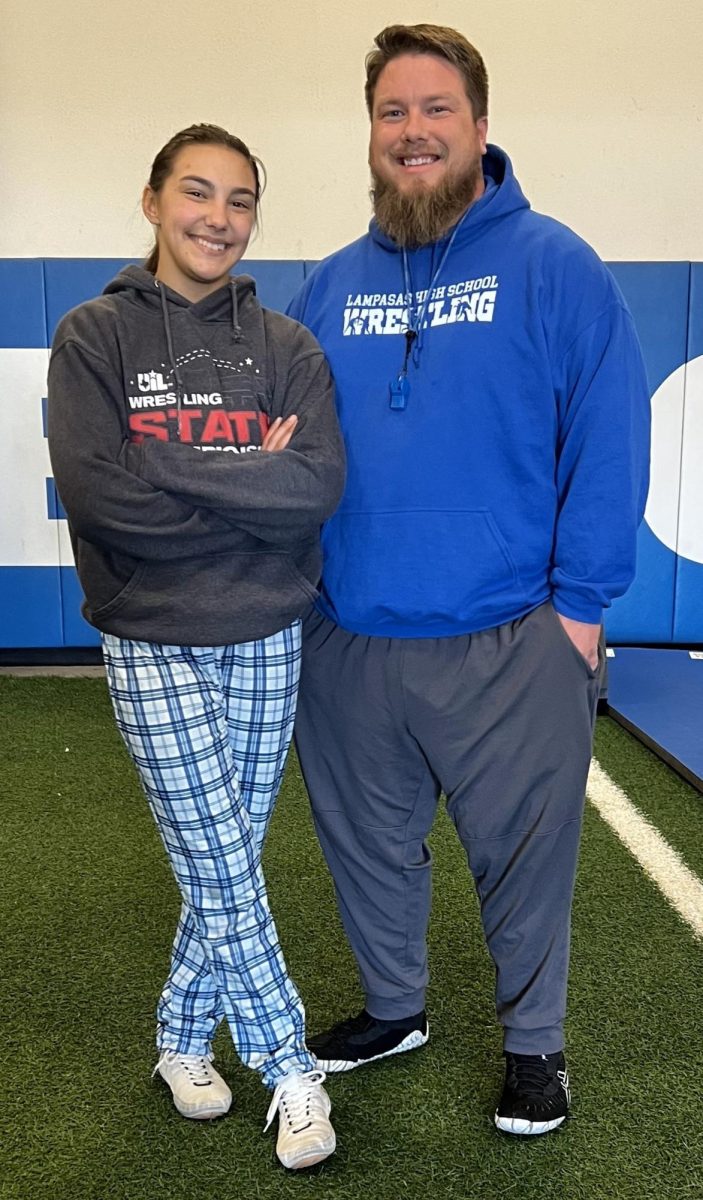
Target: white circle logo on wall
{"points": [[675, 513]]}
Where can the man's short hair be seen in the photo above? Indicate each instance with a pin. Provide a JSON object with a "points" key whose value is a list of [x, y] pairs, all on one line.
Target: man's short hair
{"points": [[439, 40]]}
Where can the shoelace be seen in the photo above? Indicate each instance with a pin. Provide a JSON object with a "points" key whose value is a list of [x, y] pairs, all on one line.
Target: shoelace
{"points": [[292, 1098], [196, 1067], [358, 1024], [532, 1076]]}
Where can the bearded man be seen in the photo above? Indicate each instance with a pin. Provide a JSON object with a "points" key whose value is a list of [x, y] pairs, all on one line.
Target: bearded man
{"points": [[495, 409]]}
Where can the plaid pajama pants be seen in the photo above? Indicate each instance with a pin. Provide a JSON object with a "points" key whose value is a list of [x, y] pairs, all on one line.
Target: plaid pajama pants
{"points": [[208, 729]]}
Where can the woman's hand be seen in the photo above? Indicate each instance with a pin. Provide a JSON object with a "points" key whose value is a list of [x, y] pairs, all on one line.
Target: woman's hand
{"points": [[279, 434]]}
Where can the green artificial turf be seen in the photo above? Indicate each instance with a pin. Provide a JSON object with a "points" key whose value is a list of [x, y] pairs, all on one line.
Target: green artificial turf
{"points": [[662, 796], [88, 908]]}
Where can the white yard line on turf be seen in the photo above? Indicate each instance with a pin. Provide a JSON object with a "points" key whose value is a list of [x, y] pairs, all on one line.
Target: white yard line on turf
{"points": [[658, 859]]}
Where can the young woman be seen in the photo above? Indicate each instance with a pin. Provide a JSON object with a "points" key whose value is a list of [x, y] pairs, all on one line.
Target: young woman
{"points": [[196, 452]]}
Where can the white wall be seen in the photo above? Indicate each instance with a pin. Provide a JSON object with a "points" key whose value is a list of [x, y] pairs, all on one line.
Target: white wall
{"points": [[598, 102]]}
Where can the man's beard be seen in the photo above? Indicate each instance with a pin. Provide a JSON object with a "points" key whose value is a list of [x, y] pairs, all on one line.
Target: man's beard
{"points": [[423, 215]]}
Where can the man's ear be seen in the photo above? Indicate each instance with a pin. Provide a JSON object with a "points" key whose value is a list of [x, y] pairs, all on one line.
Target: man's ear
{"points": [[482, 126]]}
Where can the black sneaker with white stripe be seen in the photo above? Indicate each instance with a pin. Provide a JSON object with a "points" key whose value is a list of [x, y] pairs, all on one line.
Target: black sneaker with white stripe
{"points": [[536, 1094], [364, 1039]]}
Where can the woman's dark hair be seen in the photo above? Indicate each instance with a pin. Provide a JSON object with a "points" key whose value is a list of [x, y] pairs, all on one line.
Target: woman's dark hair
{"points": [[200, 135]]}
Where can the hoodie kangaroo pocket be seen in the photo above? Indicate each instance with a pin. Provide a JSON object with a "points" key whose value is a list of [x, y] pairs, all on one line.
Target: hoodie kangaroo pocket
{"points": [[299, 579], [115, 604], [422, 568], [210, 601]]}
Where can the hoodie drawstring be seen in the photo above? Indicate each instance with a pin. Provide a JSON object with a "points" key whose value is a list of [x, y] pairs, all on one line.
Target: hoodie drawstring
{"points": [[236, 332], [236, 327], [171, 355]]}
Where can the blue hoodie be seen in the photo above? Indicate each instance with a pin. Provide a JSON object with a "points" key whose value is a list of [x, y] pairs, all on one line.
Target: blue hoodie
{"points": [[517, 470]]}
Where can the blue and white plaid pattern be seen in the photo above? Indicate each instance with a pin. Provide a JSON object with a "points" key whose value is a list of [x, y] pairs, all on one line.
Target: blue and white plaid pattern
{"points": [[208, 729]]}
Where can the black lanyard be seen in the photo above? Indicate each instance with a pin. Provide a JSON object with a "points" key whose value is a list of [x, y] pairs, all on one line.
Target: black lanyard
{"points": [[400, 387]]}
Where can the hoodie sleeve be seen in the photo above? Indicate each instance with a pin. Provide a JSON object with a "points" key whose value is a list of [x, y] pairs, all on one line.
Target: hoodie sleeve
{"points": [[106, 503], [279, 497], [602, 465]]}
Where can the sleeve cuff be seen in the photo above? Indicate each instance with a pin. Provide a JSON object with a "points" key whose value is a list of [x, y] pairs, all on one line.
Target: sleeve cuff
{"points": [[577, 610]]}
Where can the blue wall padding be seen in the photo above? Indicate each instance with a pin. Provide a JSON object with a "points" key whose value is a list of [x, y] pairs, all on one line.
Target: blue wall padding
{"points": [[646, 612], [30, 604], [75, 631], [658, 297], [688, 604], [40, 606], [55, 510], [23, 312], [276, 282], [688, 599], [695, 324], [71, 281]]}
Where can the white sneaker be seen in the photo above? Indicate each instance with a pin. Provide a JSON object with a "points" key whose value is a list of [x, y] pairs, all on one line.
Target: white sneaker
{"points": [[305, 1135], [198, 1090]]}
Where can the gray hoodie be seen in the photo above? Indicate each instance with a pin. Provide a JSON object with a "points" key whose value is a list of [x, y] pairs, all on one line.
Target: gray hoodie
{"points": [[183, 531]]}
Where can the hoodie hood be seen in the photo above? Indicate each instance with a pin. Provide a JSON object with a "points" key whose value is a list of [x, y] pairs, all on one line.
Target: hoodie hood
{"points": [[222, 305], [502, 197]]}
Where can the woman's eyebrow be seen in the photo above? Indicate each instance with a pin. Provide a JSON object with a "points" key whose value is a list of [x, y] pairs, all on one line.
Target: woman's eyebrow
{"points": [[236, 191]]}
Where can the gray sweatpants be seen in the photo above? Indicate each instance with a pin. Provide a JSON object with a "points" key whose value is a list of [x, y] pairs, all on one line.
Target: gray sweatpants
{"points": [[501, 721]]}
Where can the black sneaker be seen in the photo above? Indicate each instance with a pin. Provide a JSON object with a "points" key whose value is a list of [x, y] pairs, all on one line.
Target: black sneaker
{"points": [[363, 1039], [536, 1094]]}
